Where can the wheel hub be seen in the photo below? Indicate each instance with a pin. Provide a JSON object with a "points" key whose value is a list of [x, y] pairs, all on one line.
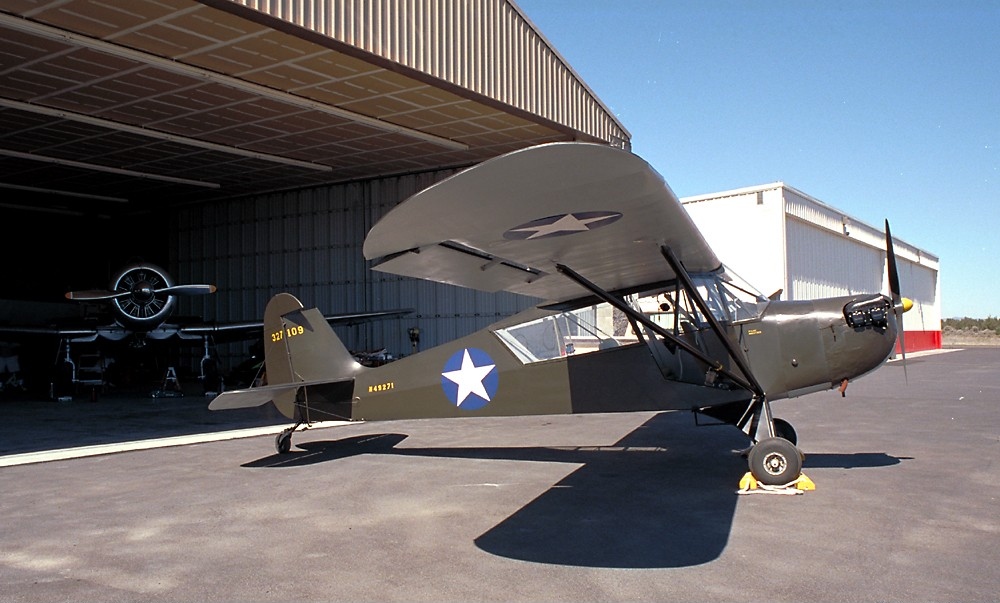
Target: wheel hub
{"points": [[775, 463]]}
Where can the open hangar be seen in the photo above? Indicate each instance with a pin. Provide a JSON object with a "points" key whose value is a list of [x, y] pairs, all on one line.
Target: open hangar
{"points": [[252, 145]]}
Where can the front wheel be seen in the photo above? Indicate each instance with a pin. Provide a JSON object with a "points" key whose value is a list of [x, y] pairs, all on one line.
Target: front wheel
{"points": [[775, 462]]}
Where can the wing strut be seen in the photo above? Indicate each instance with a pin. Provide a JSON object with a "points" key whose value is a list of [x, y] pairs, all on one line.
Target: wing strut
{"points": [[685, 279], [633, 315], [757, 418]]}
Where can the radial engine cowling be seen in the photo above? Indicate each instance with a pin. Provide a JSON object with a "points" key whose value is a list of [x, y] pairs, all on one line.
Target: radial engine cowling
{"points": [[146, 304]]}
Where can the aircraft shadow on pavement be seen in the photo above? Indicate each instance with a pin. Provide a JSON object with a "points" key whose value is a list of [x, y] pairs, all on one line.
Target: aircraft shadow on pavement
{"points": [[663, 496], [311, 453], [853, 460]]}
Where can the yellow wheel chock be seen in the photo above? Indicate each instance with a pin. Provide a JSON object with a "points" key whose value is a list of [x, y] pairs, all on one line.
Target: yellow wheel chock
{"points": [[749, 485]]}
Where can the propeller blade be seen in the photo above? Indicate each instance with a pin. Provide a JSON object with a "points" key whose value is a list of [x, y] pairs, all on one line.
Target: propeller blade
{"points": [[95, 295], [893, 271], [902, 347], [100, 295], [898, 303], [187, 290]]}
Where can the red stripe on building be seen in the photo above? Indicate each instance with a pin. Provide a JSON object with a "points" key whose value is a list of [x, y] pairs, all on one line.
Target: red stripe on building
{"points": [[917, 341]]}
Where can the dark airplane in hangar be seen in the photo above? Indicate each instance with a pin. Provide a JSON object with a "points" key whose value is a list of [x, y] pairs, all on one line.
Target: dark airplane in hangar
{"points": [[141, 300]]}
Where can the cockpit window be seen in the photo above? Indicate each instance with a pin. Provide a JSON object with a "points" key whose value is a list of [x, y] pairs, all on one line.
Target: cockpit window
{"points": [[729, 298], [603, 326], [578, 331]]}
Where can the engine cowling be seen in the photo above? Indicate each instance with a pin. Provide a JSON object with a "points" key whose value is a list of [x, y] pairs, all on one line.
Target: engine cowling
{"points": [[145, 306]]}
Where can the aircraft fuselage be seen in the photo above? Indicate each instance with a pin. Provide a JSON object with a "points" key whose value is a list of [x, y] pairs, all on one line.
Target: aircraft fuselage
{"points": [[794, 348], [798, 347]]}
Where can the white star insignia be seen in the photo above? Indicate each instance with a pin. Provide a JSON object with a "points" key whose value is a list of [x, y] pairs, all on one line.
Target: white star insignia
{"points": [[567, 223], [469, 379]]}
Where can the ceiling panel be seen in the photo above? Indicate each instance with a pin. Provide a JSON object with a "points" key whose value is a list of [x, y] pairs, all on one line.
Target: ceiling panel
{"points": [[123, 108]]}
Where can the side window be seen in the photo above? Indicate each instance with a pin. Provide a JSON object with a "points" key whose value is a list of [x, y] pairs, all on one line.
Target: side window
{"points": [[579, 331]]}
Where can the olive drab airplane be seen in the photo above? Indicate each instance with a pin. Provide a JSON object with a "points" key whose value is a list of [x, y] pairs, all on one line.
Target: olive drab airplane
{"points": [[141, 298], [636, 312]]}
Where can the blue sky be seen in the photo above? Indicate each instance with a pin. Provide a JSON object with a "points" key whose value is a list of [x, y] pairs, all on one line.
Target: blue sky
{"points": [[885, 110]]}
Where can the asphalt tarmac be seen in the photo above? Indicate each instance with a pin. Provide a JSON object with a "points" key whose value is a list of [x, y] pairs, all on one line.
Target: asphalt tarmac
{"points": [[613, 507]]}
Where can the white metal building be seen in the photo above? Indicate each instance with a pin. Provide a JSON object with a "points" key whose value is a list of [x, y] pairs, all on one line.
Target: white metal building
{"points": [[777, 237]]}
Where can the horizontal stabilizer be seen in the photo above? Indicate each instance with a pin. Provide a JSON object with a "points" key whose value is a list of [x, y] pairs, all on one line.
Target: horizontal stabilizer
{"points": [[319, 393], [249, 398]]}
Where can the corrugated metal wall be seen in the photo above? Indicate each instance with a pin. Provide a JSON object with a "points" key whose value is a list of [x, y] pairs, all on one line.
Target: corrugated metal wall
{"points": [[309, 243], [823, 263], [830, 253], [486, 46]]}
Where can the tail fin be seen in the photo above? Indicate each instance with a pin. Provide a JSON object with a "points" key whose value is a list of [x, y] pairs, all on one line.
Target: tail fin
{"points": [[299, 344], [309, 374]]}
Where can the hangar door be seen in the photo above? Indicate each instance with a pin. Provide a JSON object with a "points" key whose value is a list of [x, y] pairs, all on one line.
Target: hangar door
{"points": [[822, 263]]}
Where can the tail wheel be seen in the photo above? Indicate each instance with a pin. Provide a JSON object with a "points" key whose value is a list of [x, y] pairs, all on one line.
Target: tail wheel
{"points": [[283, 442], [775, 462]]}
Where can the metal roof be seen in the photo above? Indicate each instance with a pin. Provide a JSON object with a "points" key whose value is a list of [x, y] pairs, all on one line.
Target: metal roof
{"points": [[116, 108]]}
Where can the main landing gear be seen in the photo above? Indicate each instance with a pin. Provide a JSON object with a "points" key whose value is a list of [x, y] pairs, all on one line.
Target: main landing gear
{"points": [[775, 461]]}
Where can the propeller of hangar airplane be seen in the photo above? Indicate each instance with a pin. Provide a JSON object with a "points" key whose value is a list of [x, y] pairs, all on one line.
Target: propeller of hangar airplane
{"points": [[142, 295]]}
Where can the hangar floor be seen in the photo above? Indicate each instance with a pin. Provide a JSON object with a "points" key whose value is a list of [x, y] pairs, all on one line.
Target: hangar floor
{"points": [[571, 508]]}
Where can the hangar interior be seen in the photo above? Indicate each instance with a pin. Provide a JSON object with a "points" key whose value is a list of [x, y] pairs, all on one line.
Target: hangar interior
{"points": [[251, 144]]}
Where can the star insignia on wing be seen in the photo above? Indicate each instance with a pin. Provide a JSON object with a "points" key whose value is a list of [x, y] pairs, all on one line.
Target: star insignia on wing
{"points": [[562, 225]]}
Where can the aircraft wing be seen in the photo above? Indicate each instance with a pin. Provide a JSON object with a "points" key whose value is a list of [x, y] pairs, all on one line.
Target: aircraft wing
{"points": [[504, 225], [78, 334], [252, 330], [220, 332]]}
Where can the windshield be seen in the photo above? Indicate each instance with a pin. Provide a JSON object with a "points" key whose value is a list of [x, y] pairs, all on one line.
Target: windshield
{"points": [[602, 326]]}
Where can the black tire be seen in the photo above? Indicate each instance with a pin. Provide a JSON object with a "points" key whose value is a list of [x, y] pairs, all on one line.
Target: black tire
{"points": [[775, 462], [283, 442], [784, 429]]}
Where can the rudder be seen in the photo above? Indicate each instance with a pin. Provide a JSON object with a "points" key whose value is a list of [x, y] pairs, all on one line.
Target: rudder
{"points": [[300, 346]]}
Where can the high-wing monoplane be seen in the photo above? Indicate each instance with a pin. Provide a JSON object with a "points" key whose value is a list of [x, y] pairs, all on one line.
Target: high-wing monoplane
{"points": [[141, 299], [635, 312]]}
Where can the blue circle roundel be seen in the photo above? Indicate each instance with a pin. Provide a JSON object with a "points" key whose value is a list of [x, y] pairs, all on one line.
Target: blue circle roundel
{"points": [[470, 379]]}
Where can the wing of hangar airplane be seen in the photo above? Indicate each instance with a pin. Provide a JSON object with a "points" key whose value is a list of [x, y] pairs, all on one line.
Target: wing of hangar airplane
{"points": [[503, 225], [218, 332], [235, 331]]}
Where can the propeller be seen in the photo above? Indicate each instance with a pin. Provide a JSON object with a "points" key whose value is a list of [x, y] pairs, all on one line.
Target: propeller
{"points": [[142, 295], [102, 295], [900, 304]]}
